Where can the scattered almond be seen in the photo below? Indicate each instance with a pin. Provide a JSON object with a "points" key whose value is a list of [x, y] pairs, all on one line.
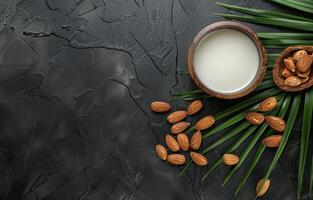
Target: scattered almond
{"points": [[194, 107], [161, 151], [276, 123], [293, 81], [172, 143], [176, 116], [196, 140], [304, 63], [272, 141], [290, 65], [299, 54], [205, 122], [160, 106], [183, 141], [254, 118], [198, 158], [179, 127], [262, 187], [176, 159], [268, 104], [230, 159]]}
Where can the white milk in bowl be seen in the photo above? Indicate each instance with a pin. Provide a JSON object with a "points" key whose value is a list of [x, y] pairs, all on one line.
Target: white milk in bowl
{"points": [[226, 61]]}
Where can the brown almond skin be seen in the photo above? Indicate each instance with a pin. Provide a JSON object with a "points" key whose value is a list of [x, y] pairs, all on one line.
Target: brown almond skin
{"points": [[205, 122], [172, 143], [176, 159], [299, 54], [196, 140], [290, 65], [176, 116], [272, 141], [265, 185], [160, 106], [161, 151], [254, 118], [304, 80], [304, 74], [286, 73], [183, 141], [179, 127], [268, 104], [230, 159], [305, 63], [199, 159], [293, 81], [276, 123], [194, 107]]}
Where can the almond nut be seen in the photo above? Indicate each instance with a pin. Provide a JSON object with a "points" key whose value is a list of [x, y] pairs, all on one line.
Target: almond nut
{"points": [[176, 116], [205, 122], [268, 104], [299, 54], [176, 159], [286, 73], [276, 123], [304, 80], [272, 141], [172, 143], [179, 127], [198, 158], [304, 74], [196, 140], [161, 151], [305, 63], [230, 159], [290, 65], [262, 187], [183, 141], [160, 106], [254, 118], [194, 107], [293, 81]]}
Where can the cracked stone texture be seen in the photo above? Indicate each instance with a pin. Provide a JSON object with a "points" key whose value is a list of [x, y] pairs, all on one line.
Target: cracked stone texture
{"points": [[76, 81]]}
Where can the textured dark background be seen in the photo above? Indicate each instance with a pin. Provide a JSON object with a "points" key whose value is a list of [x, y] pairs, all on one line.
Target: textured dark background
{"points": [[76, 81]]}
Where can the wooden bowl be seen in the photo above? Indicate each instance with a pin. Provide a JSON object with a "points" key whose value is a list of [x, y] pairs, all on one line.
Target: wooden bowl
{"points": [[235, 26], [279, 67]]}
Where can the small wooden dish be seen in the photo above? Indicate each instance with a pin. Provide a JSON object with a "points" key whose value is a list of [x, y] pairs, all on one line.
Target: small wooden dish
{"points": [[279, 67], [235, 26]]}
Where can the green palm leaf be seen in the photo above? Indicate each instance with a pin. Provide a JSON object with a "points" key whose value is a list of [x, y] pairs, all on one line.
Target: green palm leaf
{"points": [[261, 148], [273, 21], [262, 13], [290, 122], [251, 145], [305, 136], [303, 5], [227, 136], [231, 149], [303, 36]]}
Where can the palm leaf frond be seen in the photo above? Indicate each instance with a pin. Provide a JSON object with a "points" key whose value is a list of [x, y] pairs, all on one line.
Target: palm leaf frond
{"points": [[289, 125], [303, 5], [262, 13], [252, 144], [305, 136], [261, 148]]}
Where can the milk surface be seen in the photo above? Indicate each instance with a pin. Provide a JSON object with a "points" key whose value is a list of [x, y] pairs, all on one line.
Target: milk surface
{"points": [[226, 61]]}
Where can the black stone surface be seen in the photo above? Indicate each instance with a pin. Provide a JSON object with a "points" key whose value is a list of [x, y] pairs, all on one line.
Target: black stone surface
{"points": [[76, 81]]}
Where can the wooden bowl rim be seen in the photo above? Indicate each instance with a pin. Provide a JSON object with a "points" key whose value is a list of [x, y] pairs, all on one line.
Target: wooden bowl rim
{"points": [[278, 62], [239, 27]]}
